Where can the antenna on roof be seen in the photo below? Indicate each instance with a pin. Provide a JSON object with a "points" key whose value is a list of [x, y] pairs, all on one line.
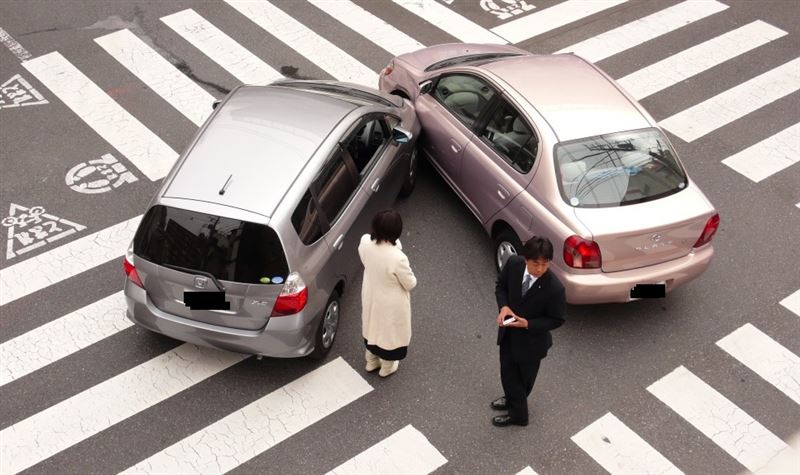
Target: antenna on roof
{"points": [[222, 190]]}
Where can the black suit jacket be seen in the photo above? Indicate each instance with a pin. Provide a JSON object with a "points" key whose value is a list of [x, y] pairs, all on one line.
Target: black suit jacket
{"points": [[543, 307]]}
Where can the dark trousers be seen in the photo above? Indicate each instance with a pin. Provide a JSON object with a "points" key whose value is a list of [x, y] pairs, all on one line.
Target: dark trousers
{"points": [[518, 378]]}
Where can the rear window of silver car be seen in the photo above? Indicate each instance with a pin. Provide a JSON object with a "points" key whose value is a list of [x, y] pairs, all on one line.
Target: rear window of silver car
{"points": [[228, 249], [618, 169]]}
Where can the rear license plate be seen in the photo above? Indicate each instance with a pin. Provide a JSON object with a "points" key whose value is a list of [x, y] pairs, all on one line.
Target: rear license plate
{"points": [[205, 300], [649, 291]]}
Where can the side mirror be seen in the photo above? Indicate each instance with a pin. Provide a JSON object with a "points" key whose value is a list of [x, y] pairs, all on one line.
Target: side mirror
{"points": [[215, 104], [401, 135], [425, 87]]}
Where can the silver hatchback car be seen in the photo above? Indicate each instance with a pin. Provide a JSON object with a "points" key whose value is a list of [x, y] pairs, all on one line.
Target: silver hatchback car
{"points": [[251, 239]]}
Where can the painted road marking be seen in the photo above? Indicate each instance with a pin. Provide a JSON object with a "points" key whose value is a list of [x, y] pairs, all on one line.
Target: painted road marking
{"points": [[221, 48], [136, 142], [406, 452], [73, 420], [693, 61], [527, 471], [765, 357], [510, 9], [724, 108], [750, 443], [98, 176], [18, 92], [62, 337], [262, 424], [66, 261], [644, 29], [32, 228], [303, 40], [158, 74], [450, 22], [549, 19], [9, 42], [769, 156], [792, 302], [620, 450]]}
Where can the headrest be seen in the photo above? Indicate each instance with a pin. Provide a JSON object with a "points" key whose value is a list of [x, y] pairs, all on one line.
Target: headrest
{"points": [[519, 126]]}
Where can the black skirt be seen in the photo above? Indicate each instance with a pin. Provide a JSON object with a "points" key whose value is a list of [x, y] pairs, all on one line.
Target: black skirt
{"points": [[396, 354]]}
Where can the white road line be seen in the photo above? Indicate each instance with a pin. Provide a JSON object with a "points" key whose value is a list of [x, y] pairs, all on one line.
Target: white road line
{"points": [[750, 443], [792, 302], [262, 424], [644, 29], [527, 471], [369, 26], [9, 42], [67, 260], [768, 156], [450, 22], [693, 61], [158, 74], [71, 421], [62, 337], [221, 48], [620, 450], [136, 142], [406, 452], [765, 357], [558, 15], [724, 108], [300, 38]]}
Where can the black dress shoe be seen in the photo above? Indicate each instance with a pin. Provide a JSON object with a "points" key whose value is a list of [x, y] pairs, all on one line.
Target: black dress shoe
{"points": [[506, 420], [499, 404]]}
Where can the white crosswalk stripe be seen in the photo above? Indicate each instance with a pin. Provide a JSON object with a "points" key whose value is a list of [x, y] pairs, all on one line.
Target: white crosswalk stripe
{"points": [[644, 29], [769, 156], [450, 22], [118, 127], [221, 48], [244, 434], [792, 302], [406, 452], [527, 471]]}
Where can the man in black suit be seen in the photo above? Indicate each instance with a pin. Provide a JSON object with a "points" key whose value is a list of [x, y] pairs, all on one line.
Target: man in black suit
{"points": [[531, 301]]}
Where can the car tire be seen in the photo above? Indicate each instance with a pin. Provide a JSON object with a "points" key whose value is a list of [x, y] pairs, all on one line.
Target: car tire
{"points": [[506, 244], [410, 180], [327, 328]]}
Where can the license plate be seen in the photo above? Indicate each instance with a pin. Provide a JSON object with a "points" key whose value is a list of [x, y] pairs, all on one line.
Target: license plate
{"points": [[649, 291], [205, 300]]}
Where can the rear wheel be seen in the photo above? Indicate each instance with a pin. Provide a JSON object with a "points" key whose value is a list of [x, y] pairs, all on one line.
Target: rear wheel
{"points": [[506, 244], [326, 331], [411, 175]]}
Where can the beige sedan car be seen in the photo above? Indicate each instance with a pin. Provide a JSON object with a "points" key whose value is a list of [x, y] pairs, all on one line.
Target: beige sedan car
{"points": [[550, 145]]}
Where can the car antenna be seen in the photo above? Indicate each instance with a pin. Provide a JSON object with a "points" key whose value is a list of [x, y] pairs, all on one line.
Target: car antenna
{"points": [[222, 190]]}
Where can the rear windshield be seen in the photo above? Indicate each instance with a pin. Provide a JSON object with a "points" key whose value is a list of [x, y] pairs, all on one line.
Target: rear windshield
{"points": [[618, 169], [227, 248]]}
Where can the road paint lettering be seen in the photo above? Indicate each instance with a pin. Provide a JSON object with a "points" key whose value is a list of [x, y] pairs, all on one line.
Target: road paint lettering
{"points": [[32, 228], [98, 176], [510, 8], [18, 92], [9, 42], [450, 22], [769, 156]]}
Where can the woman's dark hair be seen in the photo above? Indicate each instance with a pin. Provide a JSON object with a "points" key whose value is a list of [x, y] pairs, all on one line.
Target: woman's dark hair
{"points": [[387, 226], [537, 248]]}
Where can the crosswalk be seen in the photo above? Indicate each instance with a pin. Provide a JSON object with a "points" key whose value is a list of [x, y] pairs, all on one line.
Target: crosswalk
{"points": [[272, 419]]}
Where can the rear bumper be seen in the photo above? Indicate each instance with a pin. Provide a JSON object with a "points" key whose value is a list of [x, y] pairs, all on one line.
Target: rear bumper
{"points": [[282, 337], [615, 287]]}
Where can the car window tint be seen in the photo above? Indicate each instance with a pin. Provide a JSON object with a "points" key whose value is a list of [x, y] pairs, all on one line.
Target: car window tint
{"points": [[366, 144], [305, 220], [465, 96], [509, 135], [334, 187]]}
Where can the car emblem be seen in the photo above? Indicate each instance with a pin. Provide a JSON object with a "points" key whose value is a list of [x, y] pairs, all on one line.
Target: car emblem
{"points": [[200, 282], [656, 237]]}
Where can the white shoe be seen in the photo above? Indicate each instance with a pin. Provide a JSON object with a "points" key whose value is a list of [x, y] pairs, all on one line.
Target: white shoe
{"points": [[388, 367], [373, 362]]}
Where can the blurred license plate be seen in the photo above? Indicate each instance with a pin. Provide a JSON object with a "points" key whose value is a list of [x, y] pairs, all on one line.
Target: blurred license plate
{"points": [[649, 291], [205, 300]]}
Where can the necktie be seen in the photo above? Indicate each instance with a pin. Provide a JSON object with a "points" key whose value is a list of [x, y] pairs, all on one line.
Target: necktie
{"points": [[526, 285]]}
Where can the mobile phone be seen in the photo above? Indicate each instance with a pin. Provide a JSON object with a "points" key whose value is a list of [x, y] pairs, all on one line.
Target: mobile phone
{"points": [[510, 319]]}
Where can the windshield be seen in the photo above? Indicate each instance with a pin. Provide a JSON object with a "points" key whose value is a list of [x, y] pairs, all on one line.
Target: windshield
{"points": [[618, 169]]}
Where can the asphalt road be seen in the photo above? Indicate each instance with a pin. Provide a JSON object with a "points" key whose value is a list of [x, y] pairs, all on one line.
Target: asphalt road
{"points": [[604, 357]]}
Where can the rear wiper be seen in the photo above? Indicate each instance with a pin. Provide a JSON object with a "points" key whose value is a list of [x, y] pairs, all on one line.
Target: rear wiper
{"points": [[198, 272]]}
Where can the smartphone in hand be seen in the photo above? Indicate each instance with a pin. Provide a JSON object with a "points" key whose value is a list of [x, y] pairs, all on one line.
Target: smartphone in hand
{"points": [[509, 319]]}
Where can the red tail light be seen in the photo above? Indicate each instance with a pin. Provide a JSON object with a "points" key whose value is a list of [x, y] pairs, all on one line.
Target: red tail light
{"points": [[130, 270], [708, 232], [581, 254], [293, 297]]}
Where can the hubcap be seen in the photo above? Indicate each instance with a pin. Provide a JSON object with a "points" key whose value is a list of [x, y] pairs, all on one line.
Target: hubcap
{"points": [[329, 324], [504, 250]]}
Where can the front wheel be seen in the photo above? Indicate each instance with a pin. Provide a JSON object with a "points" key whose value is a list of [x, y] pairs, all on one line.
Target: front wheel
{"points": [[411, 175], [326, 331], [506, 244]]}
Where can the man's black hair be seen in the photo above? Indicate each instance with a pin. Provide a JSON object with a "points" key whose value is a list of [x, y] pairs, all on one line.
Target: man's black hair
{"points": [[387, 226], [538, 248]]}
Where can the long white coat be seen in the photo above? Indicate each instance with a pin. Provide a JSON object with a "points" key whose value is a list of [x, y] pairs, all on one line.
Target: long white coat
{"points": [[385, 298]]}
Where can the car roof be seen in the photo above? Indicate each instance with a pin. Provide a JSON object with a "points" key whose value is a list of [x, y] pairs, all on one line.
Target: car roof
{"points": [[258, 142], [574, 97]]}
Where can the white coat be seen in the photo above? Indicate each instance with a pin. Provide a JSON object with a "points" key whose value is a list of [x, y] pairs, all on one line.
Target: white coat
{"points": [[385, 298]]}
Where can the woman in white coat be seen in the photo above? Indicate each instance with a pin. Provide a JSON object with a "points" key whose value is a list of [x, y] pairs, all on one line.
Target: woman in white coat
{"points": [[385, 294]]}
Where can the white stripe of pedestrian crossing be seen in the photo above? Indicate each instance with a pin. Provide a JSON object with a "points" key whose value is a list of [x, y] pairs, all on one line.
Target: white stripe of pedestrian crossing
{"points": [[620, 450], [527, 471], [158, 74], [769, 156], [406, 452], [644, 29], [735, 103], [693, 61], [221, 48], [450, 22], [73, 420], [765, 357], [792, 302], [309, 44], [732, 429], [244, 434], [549, 19], [369, 26], [119, 128], [62, 337], [66, 261]]}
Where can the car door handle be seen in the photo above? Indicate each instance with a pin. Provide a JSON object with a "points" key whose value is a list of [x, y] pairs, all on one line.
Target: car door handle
{"points": [[502, 192], [337, 245], [376, 185], [455, 148]]}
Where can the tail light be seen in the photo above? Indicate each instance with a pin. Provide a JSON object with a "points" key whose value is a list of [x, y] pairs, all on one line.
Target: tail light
{"points": [[708, 232], [130, 268], [293, 297], [581, 253], [388, 69]]}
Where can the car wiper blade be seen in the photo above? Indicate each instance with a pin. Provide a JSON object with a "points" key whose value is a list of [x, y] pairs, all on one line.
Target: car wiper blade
{"points": [[198, 272]]}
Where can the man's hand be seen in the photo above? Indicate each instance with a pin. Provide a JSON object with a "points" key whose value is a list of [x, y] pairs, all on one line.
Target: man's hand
{"points": [[518, 323], [505, 312]]}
